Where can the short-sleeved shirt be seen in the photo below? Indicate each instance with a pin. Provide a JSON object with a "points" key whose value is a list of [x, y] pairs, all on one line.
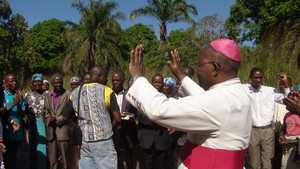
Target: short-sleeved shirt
{"points": [[96, 104], [14, 113]]}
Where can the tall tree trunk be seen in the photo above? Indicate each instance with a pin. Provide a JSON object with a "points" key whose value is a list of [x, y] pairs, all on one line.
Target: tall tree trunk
{"points": [[91, 59], [163, 32]]}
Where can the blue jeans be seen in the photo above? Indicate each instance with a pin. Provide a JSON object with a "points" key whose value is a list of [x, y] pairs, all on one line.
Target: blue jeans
{"points": [[98, 155]]}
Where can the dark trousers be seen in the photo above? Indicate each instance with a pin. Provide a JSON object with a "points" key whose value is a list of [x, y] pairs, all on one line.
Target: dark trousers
{"points": [[154, 159], [277, 153], [14, 155], [174, 156]]}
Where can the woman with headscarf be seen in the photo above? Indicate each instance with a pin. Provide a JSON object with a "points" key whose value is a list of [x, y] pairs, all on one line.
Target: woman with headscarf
{"points": [[37, 132]]}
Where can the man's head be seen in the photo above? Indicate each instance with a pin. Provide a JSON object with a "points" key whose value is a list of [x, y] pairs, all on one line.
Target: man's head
{"points": [[117, 79], [9, 82], [256, 77], [157, 82], [217, 62], [189, 71], [45, 85], [86, 78], [99, 75], [57, 82], [75, 82], [37, 82]]}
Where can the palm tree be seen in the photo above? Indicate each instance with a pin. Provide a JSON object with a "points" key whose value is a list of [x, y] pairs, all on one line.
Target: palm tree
{"points": [[94, 39], [166, 11]]}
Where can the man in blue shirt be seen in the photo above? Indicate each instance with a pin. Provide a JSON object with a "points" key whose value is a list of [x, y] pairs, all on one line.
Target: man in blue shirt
{"points": [[15, 107]]}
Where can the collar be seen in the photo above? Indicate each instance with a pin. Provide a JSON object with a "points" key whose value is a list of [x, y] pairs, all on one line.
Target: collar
{"points": [[121, 92], [226, 83], [7, 92], [254, 90], [53, 93]]}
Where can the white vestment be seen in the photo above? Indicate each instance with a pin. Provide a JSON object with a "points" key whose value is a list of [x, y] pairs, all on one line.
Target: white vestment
{"points": [[219, 118]]}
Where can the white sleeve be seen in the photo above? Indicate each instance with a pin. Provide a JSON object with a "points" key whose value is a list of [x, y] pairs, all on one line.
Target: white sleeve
{"points": [[189, 114], [188, 87], [279, 96]]}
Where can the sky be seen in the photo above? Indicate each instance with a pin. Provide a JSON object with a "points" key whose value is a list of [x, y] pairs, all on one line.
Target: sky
{"points": [[35, 11]]}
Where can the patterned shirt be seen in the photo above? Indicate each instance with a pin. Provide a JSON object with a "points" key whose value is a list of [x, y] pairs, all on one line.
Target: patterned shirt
{"points": [[35, 104], [95, 103]]}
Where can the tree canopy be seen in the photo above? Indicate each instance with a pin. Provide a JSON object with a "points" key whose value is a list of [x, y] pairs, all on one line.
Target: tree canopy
{"points": [[13, 49], [94, 40], [253, 19], [47, 45], [166, 11]]}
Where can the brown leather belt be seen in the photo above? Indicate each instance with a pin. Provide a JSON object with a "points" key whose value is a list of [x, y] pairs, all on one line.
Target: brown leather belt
{"points": [[263, 127]]}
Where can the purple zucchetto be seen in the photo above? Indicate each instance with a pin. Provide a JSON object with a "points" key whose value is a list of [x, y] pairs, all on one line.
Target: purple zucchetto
{"points": [[228, 48]]}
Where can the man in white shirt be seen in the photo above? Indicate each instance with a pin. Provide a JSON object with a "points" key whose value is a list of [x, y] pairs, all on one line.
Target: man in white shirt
{"points": [[215, 114], [263, 98]]}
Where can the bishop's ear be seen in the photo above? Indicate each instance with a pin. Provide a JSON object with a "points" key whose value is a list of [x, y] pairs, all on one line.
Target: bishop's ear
{"points": [[216, 66]]}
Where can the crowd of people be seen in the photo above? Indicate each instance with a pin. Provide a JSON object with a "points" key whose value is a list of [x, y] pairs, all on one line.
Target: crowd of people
{"points": [[219, 123]]}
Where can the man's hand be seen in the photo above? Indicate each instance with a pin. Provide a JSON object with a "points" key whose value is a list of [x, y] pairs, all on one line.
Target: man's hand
{"points": [[50, 121], [17, 98], [282, 140], [283, 77], [293, 102], [2, 146], [15, 126], [171, 131], [136, 62], [176, 67]]}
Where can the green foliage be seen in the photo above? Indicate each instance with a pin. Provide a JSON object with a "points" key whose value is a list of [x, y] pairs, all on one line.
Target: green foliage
{"points": [[137, 34], [99, 39], [48, 48], [95, 39], [5, 10], [274, 26], [13, 32], [165, 12], [251, 19], [177, 37]]}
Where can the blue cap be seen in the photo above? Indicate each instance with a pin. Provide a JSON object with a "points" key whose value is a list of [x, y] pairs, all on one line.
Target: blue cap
{"points": [[170, 81], [37, 77], [75, 79]]}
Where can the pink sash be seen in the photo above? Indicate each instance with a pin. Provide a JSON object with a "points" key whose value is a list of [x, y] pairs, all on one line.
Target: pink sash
{"points": [[198, 157]]}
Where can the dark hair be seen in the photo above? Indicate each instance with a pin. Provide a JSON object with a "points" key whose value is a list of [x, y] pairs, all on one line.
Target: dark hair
{"points": [[253, 70], [96, 72], [119, 72], [190, 71], [157, 75], [84, 74], [56, 75]]}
